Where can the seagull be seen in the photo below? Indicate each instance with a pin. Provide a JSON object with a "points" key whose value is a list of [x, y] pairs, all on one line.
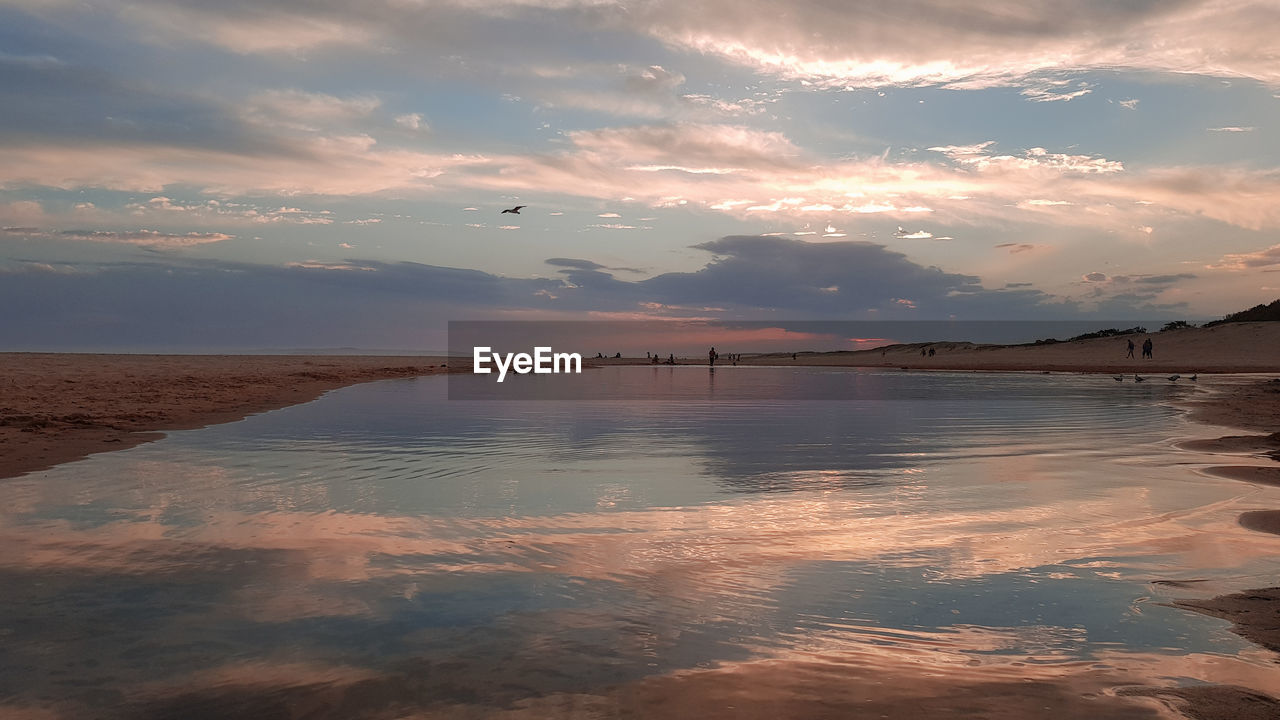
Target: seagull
{"points": [[1174, 378], [1193, 378], [1118, 378], [1138, 378], [514, 211]]}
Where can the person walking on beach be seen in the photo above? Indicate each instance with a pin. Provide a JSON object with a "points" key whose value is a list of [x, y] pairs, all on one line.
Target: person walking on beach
{"points": [[711, 357], [1146, 349], [1130, 349]]}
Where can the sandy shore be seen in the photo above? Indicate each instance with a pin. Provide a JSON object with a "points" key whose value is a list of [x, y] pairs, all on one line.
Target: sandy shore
{"points": [[55, 408]]}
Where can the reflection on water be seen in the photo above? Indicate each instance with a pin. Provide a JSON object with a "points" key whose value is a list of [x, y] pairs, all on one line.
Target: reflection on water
{"points": [[955, 542]]}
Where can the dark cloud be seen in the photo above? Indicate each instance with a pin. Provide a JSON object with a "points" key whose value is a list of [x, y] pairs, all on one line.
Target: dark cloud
{"points": [[209, 304], [574, 263], [579, 264], [52, 100], [835, 279], [1163, 279], [204, 304], [1016, 247]]}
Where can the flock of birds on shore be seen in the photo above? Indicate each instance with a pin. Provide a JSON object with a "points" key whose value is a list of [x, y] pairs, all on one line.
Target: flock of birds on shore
{"points": [[1139, 378]]}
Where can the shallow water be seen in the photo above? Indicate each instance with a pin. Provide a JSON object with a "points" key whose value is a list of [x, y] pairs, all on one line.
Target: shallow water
{"points": [[386, 552]]}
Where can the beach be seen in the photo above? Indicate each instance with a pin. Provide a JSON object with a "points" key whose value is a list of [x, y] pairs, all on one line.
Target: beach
{"points": [[59, 407], [1231, 348], [56, 408]]}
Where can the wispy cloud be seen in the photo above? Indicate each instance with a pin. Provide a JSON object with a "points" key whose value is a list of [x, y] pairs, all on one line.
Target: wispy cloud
{"points": [[1246, 261], [1050, 90], [145, 238]]}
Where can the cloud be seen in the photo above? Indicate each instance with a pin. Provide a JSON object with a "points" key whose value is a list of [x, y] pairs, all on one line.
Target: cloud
{"points": [[1007, 42], [1245, 261], [652, 92], [371, 303], [412, 121], [917, 235], [909, 43], [1233, 129], [164, 208], [776, 275], [1162, 279], [579, 264], [574, 263], [144, 238], [306, 110], [1055, 90], [1130, 104], [978, 157], [1016, 247]]}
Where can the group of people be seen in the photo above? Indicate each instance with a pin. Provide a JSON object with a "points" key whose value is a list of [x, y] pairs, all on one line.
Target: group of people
{"points": [[1146, 349], [713, 356]]}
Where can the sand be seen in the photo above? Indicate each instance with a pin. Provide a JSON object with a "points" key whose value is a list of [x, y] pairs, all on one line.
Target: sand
{"points": [[55, 408], [1254, 614]]}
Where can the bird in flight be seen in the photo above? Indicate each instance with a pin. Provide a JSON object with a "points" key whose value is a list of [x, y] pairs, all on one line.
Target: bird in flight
{"points": [[514, 211]]}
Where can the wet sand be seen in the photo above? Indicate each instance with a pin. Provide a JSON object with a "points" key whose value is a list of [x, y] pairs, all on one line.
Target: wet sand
{"points": [[55, 408], [1254, 614]]}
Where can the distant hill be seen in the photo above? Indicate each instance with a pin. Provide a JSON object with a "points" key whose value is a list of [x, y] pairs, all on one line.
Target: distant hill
{"points": [[1259, 313]]}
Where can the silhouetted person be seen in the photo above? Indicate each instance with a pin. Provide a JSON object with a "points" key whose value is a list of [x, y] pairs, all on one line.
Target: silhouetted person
{"points": [[924, 351], [1146, 349], [793, 356], [932, 351], [671, 359], [1130, 349], [711, 357], [617, 355]]}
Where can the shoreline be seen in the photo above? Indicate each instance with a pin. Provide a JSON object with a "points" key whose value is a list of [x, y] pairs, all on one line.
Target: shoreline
{"points": [[61, 407], [1235, 348]]}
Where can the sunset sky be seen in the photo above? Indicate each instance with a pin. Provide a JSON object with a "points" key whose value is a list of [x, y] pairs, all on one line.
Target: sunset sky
{"points": [[278, 173]]}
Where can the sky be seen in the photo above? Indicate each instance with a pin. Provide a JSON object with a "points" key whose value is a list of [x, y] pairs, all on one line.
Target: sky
{"points": [[280, 174]]}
